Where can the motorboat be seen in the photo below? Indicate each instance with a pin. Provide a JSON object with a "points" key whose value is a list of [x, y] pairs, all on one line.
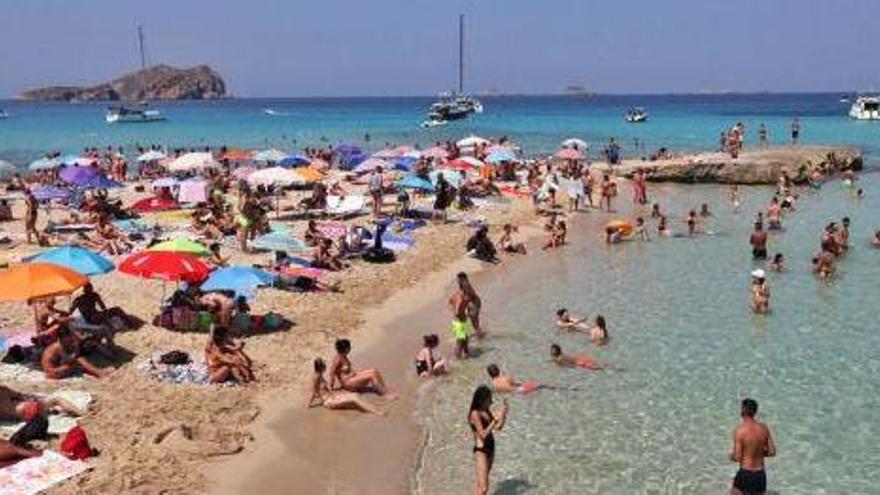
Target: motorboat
{"points": [[133, 114], [454, 106], [3, 114], [866, 107], [636, 115]]}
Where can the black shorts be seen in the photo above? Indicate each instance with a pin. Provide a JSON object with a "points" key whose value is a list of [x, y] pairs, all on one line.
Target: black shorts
{"points": [[750, 482], [759, 253]]}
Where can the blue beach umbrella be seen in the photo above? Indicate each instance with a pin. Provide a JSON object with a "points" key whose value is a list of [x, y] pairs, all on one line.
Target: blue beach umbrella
{"points": [[499, 156], [293, 161], [415, 182], [77, 259], [405, 163], [242, 280], [101, 182], [47, 193]]}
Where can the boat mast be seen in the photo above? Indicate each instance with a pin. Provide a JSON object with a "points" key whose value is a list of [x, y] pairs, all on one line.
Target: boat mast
{"points": [[140, 33], [460, 54]]}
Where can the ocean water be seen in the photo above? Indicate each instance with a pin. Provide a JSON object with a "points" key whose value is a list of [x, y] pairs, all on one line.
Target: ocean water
{"points": [[538, 123], [678, 315]]}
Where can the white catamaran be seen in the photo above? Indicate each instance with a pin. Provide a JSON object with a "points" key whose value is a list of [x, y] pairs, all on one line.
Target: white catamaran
{"points": [[454, 106], [866, 107], [141, 112]]}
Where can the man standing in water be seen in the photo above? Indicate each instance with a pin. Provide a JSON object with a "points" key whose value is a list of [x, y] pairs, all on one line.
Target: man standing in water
{"points": [[752, 442], [758, 240], [795, 130], [465, 305]]}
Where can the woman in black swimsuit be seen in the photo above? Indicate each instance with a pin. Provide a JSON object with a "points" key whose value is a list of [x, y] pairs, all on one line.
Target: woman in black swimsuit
{"points": [[483, 424]]}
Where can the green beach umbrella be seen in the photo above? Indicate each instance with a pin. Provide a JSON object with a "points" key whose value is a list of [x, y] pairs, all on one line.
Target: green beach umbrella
{"points": [[181, 246]]}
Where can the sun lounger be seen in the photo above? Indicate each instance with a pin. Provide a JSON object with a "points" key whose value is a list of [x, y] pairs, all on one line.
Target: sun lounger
{"points": [[345, 206]]}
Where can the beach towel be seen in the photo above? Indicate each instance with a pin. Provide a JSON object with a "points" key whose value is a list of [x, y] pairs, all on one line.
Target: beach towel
{"points": [[332, 230], [303, 271], [397, 242], [345, 205], [20, 337], [59, 424], [193, 373], [36, 474]]}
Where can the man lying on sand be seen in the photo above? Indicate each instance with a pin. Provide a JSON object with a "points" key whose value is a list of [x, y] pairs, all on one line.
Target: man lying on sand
{"points": [[16, 406]]}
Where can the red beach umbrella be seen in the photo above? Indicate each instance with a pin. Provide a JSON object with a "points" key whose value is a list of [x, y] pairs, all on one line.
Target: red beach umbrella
{"points": [[148, 205], [165, 265]]}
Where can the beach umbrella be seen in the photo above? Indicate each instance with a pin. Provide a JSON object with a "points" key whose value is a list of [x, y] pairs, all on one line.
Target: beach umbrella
{"points": [[569, 154], [148, 205], [76, 161], [453, 178], [48, 193], [242, 280], [405, 163], [44, 164], [372, 164], [151, 156], [310, 174], [165, 182], [270, 155], [7, 169], [242, 173], [349, 155], [386, 153], [436, 152], [415, 182], [294, 161], [279, 241], [238, 155], [464, 163], [35, 280], [101, 182], [416, 154], [275, 175], [193, 161], [164, 265], [181, 246], [87, 177], [75, 258], [575, 143], [503, 155], [472, 141]]}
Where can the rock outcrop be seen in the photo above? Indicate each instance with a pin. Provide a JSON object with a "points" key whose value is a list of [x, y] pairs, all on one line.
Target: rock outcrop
{"points": [[751, 167], [161, 82]]}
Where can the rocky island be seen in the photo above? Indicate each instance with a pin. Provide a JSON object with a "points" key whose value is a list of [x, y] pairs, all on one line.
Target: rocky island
{"points": [[161, 82]]}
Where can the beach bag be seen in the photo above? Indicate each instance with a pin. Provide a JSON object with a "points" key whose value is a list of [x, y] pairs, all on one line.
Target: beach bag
{"points": [[272, 321], [75, 445], [35, 429], [174, 358]]}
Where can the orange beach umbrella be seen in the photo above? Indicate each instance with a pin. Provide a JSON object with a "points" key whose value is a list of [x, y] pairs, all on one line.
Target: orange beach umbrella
{"points": [[35, 280]]}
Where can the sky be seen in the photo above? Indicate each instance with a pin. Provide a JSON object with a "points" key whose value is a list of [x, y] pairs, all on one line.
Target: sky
{"points": [[303, 48]]}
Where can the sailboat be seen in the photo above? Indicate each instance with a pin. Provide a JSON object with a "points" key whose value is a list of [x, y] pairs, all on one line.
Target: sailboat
{"points": [[140, 113], [458, 105]]}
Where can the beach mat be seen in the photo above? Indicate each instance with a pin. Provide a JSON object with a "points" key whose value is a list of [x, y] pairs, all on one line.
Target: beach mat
{"points": [[192, 373], [36, 474]]}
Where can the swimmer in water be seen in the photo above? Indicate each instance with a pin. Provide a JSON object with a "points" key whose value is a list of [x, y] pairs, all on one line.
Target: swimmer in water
{"points": [[568, 321], [575, 360], [663, 229], [599, 332], [778, 263], [760, 293], [876, 240], [758, 240], [704, 210], [640, 232], [693, 228], [655, 211], [734, 198], [774, 215], [506, 384]]}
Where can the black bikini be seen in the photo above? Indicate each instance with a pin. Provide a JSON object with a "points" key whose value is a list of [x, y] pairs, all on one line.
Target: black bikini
{"points": [[488, 447]]}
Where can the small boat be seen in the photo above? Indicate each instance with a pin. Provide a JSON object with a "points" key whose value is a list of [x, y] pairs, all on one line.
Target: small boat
{"points": [[140, 113], [844, 99], [636, 115], [454, 106], [866, 107], [3, 114], [133, 114]]}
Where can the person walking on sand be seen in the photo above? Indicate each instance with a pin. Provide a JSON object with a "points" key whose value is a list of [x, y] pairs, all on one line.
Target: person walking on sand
{"points": [[30, 216], [376, 191], [752, 443], [483, 426]]}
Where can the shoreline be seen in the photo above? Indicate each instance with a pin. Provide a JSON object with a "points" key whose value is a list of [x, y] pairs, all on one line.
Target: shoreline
{"points": [[275, 461]]}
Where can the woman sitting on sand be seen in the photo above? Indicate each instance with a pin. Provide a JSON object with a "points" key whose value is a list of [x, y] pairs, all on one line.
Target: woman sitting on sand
{"points": [[335, 399], [324, 257], [226, 359], [342, 373], [312, 236], [426, 363], [107, 239], [558, 232]]}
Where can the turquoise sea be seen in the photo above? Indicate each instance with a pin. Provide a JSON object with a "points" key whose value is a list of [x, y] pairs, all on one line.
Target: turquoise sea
{"points": [[539, 123], [676, 308]]}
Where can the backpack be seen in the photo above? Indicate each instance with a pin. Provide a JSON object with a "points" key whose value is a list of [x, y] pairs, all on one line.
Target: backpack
{"points": [[75, 445]]}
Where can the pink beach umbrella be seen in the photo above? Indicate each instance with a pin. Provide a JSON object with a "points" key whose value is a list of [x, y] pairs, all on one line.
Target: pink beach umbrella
{"points": [[243, 173], [435, 152], [386, 153], [569, 154]]}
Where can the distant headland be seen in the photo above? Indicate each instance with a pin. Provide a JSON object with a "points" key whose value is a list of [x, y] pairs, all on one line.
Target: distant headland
{"points": [[161, 82]]}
